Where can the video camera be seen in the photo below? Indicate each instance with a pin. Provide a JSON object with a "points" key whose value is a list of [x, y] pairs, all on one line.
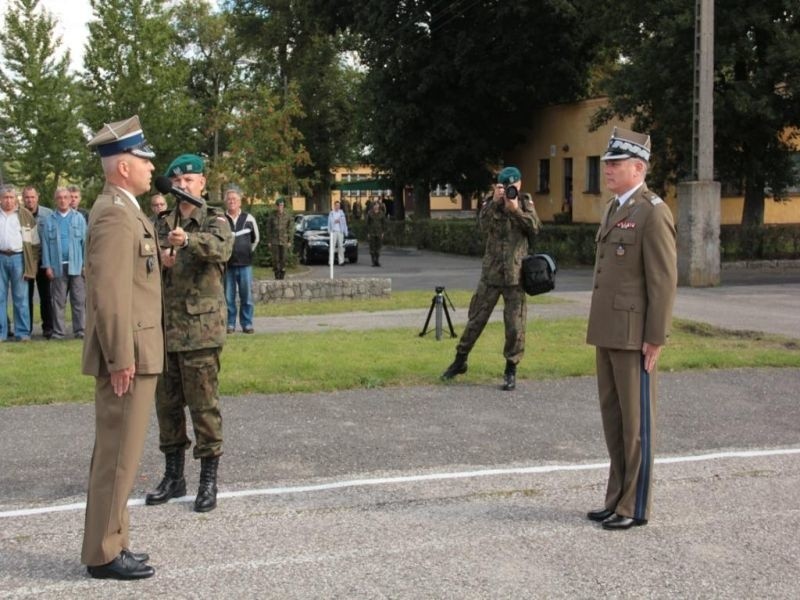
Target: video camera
{"points": [[511, 192]]}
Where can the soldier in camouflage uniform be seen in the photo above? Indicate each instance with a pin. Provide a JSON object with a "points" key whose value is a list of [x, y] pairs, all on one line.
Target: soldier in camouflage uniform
{"points": [[195, 315], [376, 227], [508, 220], [281, 233]]}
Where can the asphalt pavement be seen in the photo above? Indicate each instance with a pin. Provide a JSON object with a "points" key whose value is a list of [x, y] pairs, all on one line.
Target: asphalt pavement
{"points": [[445, 490]]}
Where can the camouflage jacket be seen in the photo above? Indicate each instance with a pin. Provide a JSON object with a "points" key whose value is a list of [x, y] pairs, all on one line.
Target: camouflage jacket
{"points": [[194, 288], [506, 240], [281, 229], [376, 224]]}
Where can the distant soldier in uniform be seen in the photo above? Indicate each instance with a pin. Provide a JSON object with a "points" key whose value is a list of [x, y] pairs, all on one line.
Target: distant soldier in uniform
{"points": [[508, 220], [195, 314], [123, 347], [635, 281], [281, 235], [376, 228]]}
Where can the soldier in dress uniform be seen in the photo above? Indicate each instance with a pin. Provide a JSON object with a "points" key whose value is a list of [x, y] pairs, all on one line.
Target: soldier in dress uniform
{"points": [[635, 281], [123, 347], [194, 255], [508, 220], [376, 228], [281, 235]]}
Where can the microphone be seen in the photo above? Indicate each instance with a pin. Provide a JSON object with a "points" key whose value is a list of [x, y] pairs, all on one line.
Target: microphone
{"points": [[164, 185]]}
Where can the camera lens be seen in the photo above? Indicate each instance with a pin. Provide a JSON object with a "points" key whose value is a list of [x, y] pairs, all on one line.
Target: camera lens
{"points": [[511, 192]]}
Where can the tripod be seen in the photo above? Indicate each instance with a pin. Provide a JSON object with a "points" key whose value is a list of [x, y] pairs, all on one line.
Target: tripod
{"points": [[438, 302]]}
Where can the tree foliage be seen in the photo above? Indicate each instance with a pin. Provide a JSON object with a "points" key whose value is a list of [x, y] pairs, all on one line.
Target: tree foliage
{"points": [[134, 64], [41, 142], [756, 89], [451, 86], [291, 46]]}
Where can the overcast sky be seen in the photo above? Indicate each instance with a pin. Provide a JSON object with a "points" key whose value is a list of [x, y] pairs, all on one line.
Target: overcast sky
{"points": [[71, 17]]}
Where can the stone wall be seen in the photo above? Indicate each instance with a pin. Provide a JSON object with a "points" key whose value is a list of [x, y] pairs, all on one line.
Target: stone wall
{"points": [[310, 290]]}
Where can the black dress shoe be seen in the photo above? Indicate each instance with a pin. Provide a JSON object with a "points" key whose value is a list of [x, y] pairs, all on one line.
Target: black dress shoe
{"points": [[599, 515], [142, 557], [123, 567], [618, 522]]}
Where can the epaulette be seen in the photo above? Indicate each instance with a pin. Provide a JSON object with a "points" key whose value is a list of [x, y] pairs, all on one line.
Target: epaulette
{"points": [[652, 198]]}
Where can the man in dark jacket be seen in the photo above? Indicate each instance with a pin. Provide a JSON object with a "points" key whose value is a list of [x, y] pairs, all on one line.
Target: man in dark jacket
{"points": [[240, 267]]}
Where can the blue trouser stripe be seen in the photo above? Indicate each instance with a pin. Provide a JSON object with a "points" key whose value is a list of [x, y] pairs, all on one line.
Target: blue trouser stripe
{"points": [[643, 485]]}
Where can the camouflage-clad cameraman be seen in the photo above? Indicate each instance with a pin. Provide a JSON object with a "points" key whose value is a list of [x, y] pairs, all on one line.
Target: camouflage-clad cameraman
{"points": [[508, 220], [195, 314]]}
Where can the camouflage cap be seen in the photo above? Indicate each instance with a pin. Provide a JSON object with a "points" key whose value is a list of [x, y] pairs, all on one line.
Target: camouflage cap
{"points": [[509, 175], [122, 136], [186, 164], [627, 144]]}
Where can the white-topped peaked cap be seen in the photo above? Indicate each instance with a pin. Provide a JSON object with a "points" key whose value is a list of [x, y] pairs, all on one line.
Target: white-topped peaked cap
{"points": [[122, 136]]}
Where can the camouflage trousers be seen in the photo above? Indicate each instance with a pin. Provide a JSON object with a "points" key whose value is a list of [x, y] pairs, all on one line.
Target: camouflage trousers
{"points": [[515, 316], [279, 252], [375, 244], [190, 381]]}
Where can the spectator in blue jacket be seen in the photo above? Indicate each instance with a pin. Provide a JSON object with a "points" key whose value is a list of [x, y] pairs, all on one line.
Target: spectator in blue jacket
{"points": [[63, 234]]}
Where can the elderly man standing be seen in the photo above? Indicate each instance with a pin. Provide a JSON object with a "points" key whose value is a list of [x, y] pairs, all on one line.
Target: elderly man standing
{"points": [[63, 236], [194, 257], [124, 345], [635, 280], [240, 266], [19, 258], [30, 198]]}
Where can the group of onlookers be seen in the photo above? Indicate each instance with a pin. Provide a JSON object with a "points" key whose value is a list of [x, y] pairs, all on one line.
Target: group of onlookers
{"points": [[42, 249]]}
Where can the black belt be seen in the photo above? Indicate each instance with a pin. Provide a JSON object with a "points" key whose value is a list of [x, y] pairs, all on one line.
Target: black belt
{"points": [[10, 252]]}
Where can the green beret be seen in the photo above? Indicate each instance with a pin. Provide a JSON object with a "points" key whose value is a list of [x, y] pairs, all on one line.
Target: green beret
{"points": [[509, 175], [280, 200], [186, 164]]}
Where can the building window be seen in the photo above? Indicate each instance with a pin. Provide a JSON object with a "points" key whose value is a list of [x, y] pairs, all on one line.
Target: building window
{"points": [[593, 174], [544, 176]]}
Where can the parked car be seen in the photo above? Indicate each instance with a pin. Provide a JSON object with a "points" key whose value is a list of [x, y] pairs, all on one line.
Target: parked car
{"points": [[312, 240]]}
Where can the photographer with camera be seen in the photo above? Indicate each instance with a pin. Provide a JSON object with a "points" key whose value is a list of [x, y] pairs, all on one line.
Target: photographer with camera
{"points": [[508, 220]]}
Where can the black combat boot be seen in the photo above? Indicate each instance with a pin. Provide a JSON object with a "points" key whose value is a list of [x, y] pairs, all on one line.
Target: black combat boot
{"points": [[510, 376], [173, 485], [207, 492], [458, 367], [374, 260]]}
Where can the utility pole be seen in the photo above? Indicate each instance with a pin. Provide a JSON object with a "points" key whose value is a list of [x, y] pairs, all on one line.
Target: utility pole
{"points": [[699, 200]]}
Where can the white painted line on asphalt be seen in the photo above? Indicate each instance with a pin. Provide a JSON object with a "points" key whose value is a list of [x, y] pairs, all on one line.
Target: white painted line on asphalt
{"points": [[334, 485]]}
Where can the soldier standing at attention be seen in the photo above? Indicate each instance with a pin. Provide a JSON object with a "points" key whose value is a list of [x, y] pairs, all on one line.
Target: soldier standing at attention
{"points": [[635, 279], [509, 219], [376, 227], [195, 314], [123, 347], [281, 232]]}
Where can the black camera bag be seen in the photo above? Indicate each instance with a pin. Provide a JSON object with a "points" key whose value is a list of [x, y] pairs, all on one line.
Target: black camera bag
{"points": [[538, 274]]}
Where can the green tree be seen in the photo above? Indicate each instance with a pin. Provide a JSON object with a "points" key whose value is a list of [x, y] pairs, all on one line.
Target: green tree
{"points": [[756, 89], [291, 45], [451, 86], [266, 148], [42, 143], [218, 73], [134, 64]]}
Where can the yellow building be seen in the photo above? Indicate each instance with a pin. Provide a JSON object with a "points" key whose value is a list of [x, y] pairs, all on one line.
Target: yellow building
{"points": [[561, 167]]}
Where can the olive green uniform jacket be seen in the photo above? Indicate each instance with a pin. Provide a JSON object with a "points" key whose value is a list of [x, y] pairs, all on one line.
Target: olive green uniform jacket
{"points": [[194, 287]]}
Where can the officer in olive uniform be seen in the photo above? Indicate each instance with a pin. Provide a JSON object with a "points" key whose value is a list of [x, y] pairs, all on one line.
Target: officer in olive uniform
{"points": [[281, 234], [635, 281], [123, 347], [376, 228], [194, 257], [509, 219]]}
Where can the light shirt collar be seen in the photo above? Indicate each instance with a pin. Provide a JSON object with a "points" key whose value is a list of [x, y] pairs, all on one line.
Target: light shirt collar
{"points": [[624, 197], [130, 197]]}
